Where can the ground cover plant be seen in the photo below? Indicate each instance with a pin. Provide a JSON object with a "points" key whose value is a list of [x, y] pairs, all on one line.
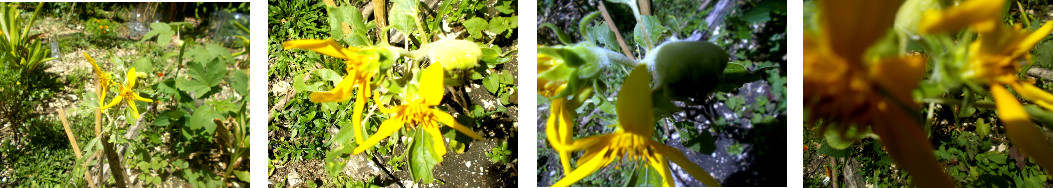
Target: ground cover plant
{"points": [[99, 98], [656, 98], [927, 93], [392, 93]]}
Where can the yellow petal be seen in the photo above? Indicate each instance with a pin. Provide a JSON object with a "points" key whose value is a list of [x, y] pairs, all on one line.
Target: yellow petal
{"points": [[1033, 93], [590, 142], [1021, 131], [662, 166], [557, 138], [380, 105], [677, 157], [386, 129], [850, 27], [584, 170], [447, 119], [341, 92], [899, 75], [356, 115], [135, 110], [139, 98], [908, 146], [981, 15], [431, 84], [328, 47], [635, 112], [437, 143], [131, 77], [1032, 39], [113, 102]]}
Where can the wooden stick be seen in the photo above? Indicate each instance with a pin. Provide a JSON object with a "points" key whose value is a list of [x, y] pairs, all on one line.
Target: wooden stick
{"points": [[73, 141], [614, 29]]}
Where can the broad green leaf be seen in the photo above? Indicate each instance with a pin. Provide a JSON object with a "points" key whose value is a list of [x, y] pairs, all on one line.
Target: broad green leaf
{"points": [[403, 15], [202, 118], [240, 83], [422, 157], [649, 32], [143, 64], [644, 176], [208, 52], [491, 84], [475, 26], [197, 88], [163, 32], [211, 73], [242, 175], [982, 128], [349, 15]]}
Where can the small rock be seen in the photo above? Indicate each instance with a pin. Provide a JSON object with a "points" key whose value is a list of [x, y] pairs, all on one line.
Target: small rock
{"points": [[468, 164]]}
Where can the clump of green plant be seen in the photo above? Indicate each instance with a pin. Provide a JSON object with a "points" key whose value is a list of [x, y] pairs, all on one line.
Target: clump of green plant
{"points": [[379, 85], [500, 153], [24, 58], [581, 76]]}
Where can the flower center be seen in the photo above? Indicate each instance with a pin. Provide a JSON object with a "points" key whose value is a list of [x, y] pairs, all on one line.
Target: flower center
{"points": [[417, 113], [630, 145]]}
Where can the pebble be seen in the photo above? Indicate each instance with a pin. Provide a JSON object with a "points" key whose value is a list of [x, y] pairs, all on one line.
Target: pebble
{"points": [[468, 164]]}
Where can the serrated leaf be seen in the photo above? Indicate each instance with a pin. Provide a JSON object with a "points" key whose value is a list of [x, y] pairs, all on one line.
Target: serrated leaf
{"points": [[204, 77], [403, 15], [162, 31], [649, 32], [208, 52], [202, 118], [241, 83], [422, 157], [349, 15]]}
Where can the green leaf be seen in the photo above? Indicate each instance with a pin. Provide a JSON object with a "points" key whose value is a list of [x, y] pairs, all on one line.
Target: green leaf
{"points": [[982, 128], [242, 175], [204, 78], [649, 31], [338, 16], [208, 52], [241, 83], [143, 64], [702, 143], [163, 32], [475, 26], [491, 84], [403, 15], [202, 118], [645, 176], [422, 157]]}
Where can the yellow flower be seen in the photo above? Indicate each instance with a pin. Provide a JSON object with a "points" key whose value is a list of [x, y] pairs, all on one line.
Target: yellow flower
{"points": [[867, 93], [101, 78], [127, 93], [549, 87], [560, 124], [981, 15], [418, 112], [360, 70], [993, 60], [633, 139]]}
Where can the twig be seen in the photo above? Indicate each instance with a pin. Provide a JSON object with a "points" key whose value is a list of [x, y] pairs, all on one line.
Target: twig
{"points": [[377, 162], [614, 29], [73, 141]]}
